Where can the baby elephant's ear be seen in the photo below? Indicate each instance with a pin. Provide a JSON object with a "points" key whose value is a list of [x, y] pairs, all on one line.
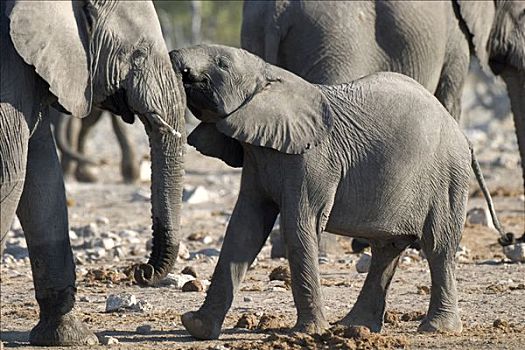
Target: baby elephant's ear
{"points": [[289, 115], [210, 142]]}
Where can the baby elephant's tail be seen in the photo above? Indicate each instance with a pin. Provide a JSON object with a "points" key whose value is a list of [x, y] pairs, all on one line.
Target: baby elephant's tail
{"points": [[505, 238]]}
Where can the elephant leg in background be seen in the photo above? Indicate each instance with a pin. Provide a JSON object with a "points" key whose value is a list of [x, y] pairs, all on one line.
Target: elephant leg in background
{"points": [[43, 214], [13, 155], [249, 227], [129, 165], [73, 129], [369, 308], [86, 172]]}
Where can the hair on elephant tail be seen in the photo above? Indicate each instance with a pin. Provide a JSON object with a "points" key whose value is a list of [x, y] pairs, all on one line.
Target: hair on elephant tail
{"points": [[507, 238]]}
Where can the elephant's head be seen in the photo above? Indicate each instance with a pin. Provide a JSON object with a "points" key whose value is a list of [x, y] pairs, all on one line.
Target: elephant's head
{"points": [[111, 54], [242, 99]]}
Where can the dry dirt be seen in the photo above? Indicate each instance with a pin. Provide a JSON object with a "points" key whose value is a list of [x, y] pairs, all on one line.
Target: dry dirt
{"points": [[491, 290]]}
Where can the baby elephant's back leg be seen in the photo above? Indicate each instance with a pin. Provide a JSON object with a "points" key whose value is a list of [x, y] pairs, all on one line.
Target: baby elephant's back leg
{"points": [[370, 306], [441, 237]]}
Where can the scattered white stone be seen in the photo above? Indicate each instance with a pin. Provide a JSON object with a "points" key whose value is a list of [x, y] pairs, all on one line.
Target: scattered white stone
{"points": [[406, 260], [16, 225], [141, 195], [463, 254], [73, 235], [480, 216], [184, 252], [117, 302], [515, 252], [176, 280], [108, 340], [102, 220], [207, 240], [323, 260], [277, 286], [363, 263], [145, 171], [196, 195]]}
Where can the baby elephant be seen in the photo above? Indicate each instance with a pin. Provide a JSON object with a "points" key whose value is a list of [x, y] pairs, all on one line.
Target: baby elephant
{"points": [[378, 158]]}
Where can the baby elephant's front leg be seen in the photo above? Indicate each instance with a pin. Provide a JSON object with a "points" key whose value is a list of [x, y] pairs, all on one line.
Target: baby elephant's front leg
{"points": [[301, 239], [249, 227]]}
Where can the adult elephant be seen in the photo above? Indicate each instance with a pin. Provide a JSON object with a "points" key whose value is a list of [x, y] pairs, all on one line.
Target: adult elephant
{"points": [[333, 42], [71, 135], [76, 55]]}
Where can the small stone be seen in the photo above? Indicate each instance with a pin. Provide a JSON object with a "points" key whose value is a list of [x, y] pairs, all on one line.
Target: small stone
{"points": [[142, 305], [515, 252], [363, 263], [499, 323], [176, 280], [141, 195], [184, 252], [479, 216], [193, 286], [118, 302], [107, 243], [323, 260], [108, 340], [73, 235], [128, 234], [391, 317], [406, 260], [195, 195], [102, 220], [189, 270], [144, 329], [248, 299], [207, 240], [16, 225], [145, 171]]}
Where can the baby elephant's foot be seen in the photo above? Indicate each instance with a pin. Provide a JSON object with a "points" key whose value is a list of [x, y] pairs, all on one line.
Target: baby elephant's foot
{"points": [[352, 319], [201, 326], [311, 326], [63, 330], [447, 322]]}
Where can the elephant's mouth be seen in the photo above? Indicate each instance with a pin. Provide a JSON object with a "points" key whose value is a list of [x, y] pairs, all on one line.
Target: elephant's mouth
{"points": [[118, 104], [200, 102]]}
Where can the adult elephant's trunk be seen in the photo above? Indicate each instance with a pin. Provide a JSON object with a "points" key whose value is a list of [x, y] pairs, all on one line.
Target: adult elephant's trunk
{"points": [[167, 152]]}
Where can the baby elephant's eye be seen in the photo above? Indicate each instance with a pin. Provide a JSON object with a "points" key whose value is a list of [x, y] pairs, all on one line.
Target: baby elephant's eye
{"points": [[138, 57], [222, 62]]}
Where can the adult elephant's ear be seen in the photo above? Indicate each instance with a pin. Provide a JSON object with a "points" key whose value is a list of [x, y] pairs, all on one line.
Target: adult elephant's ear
{"points": [[53, 37], [210, 142], [479, 17], [289, 115]]}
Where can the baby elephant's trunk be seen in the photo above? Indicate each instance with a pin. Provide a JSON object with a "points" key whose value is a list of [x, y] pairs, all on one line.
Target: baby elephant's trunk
{"points": [[505, 238]]}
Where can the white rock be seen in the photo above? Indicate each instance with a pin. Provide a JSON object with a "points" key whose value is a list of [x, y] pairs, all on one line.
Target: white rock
{"points": [[145, 171], [207, 240], [196, 195], [108, 243], [73, 235], [141, 195], [480, 216], [406, 260], [184, 252], [15, 225], [176, 280], [102, 220], [116, 302], [108, 340], [515, 252], [363, 263]]}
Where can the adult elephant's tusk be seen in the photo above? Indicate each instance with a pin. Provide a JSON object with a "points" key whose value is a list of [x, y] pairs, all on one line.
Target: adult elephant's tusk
{"points": [[164, 127]]}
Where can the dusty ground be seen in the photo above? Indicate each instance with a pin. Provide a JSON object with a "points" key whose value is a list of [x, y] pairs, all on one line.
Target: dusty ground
{"points": [[491, 290]]}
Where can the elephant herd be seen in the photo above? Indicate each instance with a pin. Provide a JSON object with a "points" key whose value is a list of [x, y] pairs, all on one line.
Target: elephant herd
{"points": [[326, 137]]}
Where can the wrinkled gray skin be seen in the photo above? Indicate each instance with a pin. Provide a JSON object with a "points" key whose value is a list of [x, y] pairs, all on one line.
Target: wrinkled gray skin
{"points": [[71, 135], [75, 55], [378, 158], [333, 42]]}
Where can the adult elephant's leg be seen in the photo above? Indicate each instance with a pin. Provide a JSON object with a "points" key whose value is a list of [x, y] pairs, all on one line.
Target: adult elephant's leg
{"points": [[453, 75], [249, 227], [129, 165], [371, 303], [86, 172], [14, 136], [43, 214]]}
